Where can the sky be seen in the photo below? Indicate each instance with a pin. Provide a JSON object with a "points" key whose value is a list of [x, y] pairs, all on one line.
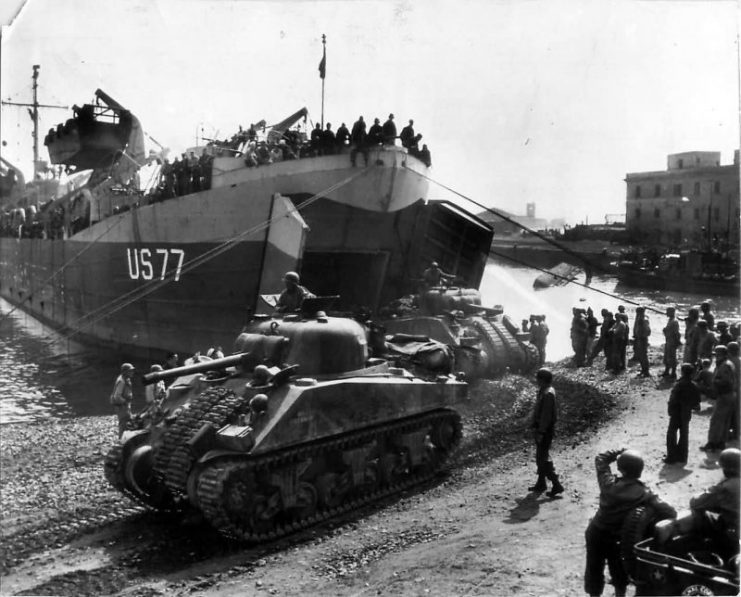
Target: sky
{"points": [[544, 101]]}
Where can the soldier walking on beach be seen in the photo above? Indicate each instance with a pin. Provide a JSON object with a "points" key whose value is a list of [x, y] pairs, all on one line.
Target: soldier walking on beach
{"points": [[684, 398], [122, 396], [619, 333], [579, 335], [724, 381], [641, 332], [672, 341], [539, 335], [690, 329], [545, 415]]}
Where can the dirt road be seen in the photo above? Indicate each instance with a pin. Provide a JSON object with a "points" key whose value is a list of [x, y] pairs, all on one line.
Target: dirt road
{"points": [[474, 531]]}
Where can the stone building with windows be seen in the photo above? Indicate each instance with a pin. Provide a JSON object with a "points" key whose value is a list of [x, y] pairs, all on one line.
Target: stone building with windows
{"points": [[693, 203]]}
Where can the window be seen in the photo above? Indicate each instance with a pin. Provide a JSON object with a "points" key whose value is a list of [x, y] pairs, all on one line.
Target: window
{"points": [[679, 214], [681, 164], [657, 212], [697, 188], [638, 213], [716, 187], [677, 190], [638, 192], [697, 213], [657, 190]]}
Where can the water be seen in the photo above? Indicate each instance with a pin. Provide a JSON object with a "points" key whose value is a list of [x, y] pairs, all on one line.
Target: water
{"points": [[43, 375]]}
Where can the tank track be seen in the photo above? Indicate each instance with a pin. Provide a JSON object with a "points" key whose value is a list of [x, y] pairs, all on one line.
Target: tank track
{"points": [[230, 481], [173, 460]]}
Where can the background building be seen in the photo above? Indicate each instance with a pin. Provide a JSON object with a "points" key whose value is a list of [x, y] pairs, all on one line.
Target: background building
{"points": [[695, 202]]}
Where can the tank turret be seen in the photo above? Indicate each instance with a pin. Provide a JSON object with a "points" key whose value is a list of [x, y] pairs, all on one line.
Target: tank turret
{"points": [[296, 427], [485, 342]]}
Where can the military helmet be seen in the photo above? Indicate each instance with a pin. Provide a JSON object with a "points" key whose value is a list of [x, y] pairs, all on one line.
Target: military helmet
{"points": [[155, 367], [291, 277], [434, 264], [630, 463], [733, 348], [721, 325], [261, 373], [687, 369], [544, 374], [259, 403], [640, 309], [127, 367], [730, 461]]}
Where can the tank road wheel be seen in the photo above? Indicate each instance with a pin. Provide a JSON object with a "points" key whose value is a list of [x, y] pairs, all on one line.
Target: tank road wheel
{"points": [[306, 501], [261, 512], [393, 464], [332, 489], [446, 433]]}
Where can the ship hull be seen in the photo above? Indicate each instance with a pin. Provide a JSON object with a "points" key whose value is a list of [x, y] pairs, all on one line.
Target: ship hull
{"points": [[186, 273]]}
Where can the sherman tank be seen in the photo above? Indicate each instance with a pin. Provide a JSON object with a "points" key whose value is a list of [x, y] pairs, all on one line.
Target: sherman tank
{"points": [[485, 342], [299, 425]]}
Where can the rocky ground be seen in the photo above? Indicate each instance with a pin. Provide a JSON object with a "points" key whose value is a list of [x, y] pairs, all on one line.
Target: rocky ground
{"points": [[472, 531]]}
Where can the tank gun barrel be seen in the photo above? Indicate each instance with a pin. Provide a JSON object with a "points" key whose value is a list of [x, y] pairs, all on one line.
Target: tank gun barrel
{"points": [[235, 359]]}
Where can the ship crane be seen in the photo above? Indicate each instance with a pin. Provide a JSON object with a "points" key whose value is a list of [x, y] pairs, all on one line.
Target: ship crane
{"points": [[33, 112]]}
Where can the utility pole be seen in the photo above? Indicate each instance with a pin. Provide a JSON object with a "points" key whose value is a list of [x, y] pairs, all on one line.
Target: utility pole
{"points": [[34, 114]]}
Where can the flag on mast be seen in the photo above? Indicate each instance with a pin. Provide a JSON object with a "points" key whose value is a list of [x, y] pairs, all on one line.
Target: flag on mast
{"points": [[323, 63]]}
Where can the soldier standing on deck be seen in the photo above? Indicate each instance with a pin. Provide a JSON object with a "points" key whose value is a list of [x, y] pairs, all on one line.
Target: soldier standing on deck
{"points": [[545, 415], [672, 341], [122, 396]]}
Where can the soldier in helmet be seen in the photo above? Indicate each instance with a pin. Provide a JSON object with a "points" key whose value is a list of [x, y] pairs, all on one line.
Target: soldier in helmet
{"points": [[545, 415], [618, 496], [724, 385], [714, 512], [293, 296], [641, 332], [435, 276], [684, 398], [672, 341], [122, 396]]}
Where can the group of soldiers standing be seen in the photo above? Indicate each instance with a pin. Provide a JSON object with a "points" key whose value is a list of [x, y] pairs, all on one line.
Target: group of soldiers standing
{"points": [[189, 174]]}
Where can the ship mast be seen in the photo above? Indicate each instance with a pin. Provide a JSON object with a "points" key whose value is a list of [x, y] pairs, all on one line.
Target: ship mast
{"points": [[34, 114]]}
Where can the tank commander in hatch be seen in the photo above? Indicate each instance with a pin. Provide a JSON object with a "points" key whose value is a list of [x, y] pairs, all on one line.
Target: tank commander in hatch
{"points": [[434, 276], [293, 296]]}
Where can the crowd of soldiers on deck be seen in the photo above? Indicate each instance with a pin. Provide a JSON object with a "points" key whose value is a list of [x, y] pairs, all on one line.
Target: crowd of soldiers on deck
{"points": [[47, 221], [192, 173]]}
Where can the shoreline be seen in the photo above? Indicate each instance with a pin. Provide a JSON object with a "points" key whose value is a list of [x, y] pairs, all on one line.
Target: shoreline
{"points": [[66, 532]]}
